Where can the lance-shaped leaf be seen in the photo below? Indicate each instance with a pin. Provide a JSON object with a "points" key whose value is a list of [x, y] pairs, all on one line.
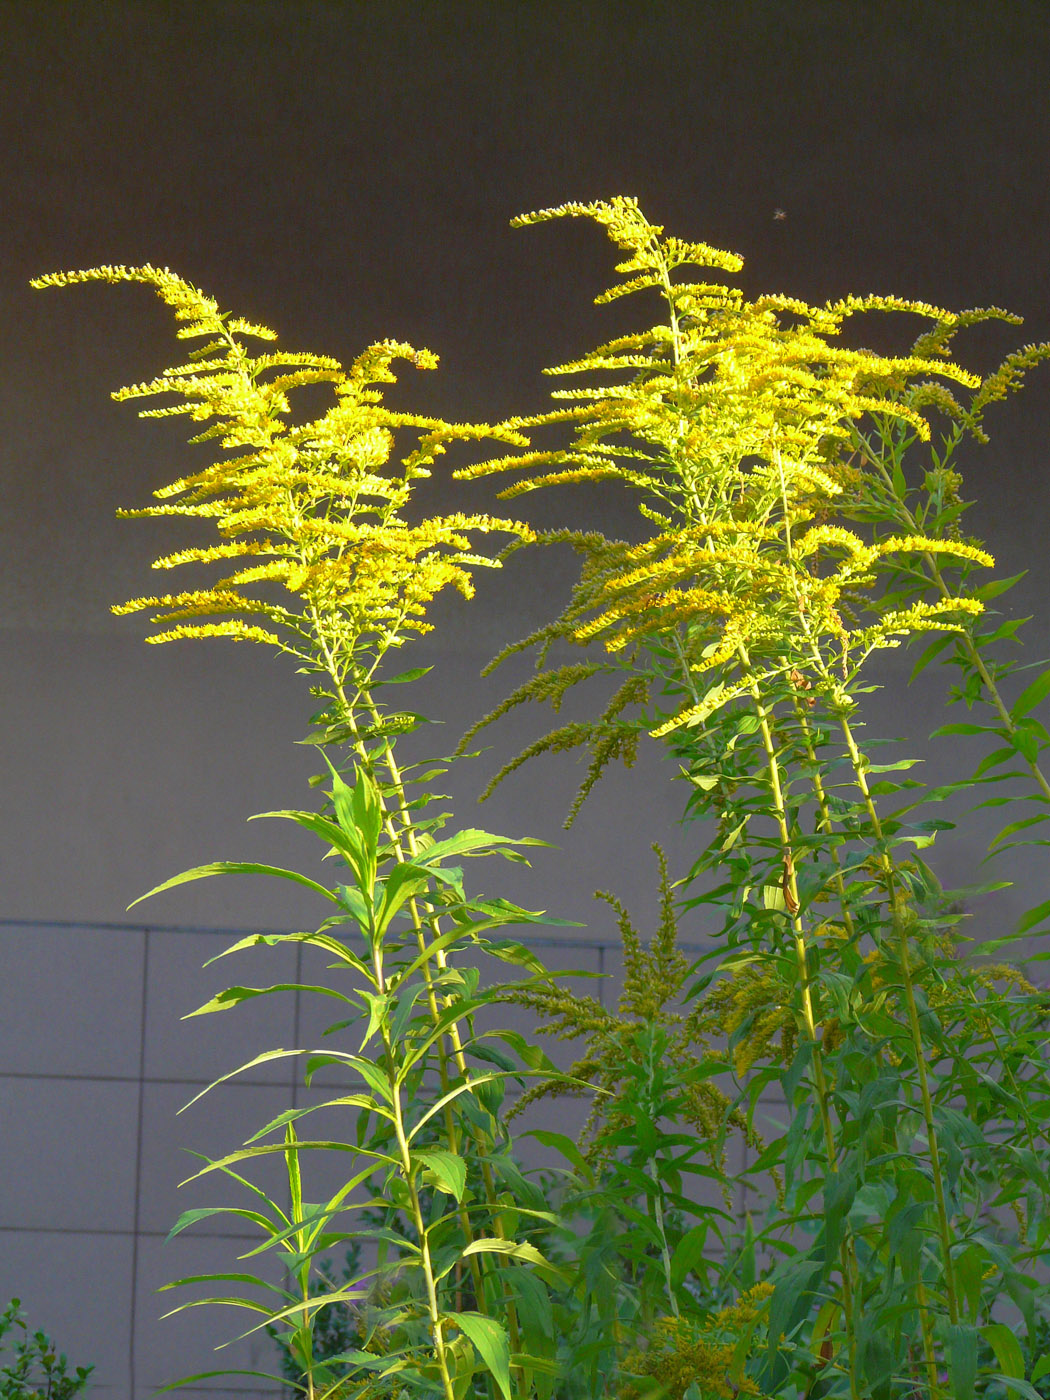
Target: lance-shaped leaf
{"points": [[445, 1170], [490, 1339], [233, 996], [236, 867]]}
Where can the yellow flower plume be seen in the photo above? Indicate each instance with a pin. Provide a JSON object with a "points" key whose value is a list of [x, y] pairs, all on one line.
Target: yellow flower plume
{"points": [[315, 509]]}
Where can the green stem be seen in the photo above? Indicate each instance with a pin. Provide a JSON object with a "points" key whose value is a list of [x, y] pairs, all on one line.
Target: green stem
{"points": [[408, 1172], [825, 823], [790, 886], [461, 1062], [405, 843], [918, 1047]]}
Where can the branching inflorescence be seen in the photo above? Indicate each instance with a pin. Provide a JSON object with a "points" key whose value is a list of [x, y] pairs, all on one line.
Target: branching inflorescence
{"points": [[315, 508], [789, 540], [328, 568], [739, 632]]}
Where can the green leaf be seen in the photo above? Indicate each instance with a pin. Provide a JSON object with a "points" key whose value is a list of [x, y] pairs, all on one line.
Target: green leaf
{"points": [[469, 1086], [359, 815], [538, 1333], [209, 1375], [987, 591], [920, 842], [792, 1299], [946, 730], [510, 951], [402, 883], [191, 1217], [564, 1145], [962, 1360], [900, 483], [235, 867], [415, 674], [253, 1279], [378, 1009], [1008, 629], [229, 1300], [474, 842], [375, 1077], [1033, 917], [839, 1195], [1006, 1347], [311, 821], [430, 952], [1031, 696], [1014, 827], [519, 1249], [359, 909], [531, 1055], [233, 996], [292, 1115], [445, 1170], [688, 1252], [490, 1339], [262, 1059], [1021, 1386], [934, 649], [992, 760]]}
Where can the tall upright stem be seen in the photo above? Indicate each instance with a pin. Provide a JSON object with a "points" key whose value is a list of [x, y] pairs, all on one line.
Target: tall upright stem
{"points": [[915, 1031], [790, 886], [408, 1172], [405, 843]]}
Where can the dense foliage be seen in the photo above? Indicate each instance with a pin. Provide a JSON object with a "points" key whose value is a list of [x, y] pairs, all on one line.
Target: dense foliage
{"points": [[34, 1368], [884, 1071]]}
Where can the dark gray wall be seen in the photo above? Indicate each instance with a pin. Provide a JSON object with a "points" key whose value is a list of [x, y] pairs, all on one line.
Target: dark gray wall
{"points": [[345, 171]]}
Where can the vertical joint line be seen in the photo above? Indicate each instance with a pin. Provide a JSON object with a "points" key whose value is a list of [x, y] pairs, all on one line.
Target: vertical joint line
{"points": [[137, 1212]]}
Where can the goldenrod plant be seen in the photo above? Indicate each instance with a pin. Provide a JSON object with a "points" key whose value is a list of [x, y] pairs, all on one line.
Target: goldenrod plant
{"points": [[883, 1071], [315, 511], [743, 631]]}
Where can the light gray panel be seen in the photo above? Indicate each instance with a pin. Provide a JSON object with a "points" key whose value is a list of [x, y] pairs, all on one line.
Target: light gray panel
{"points": [[72, 1000], [77, 1289], [67, 1153], [216, 1125], [206, 1047], [170, 1347]]}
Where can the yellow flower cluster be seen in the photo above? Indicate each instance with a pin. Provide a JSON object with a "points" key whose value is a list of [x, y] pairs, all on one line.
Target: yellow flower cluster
{"points": [[724, 385], [710, 1356], [751, 1005], [732, 420], [315, 508]]}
